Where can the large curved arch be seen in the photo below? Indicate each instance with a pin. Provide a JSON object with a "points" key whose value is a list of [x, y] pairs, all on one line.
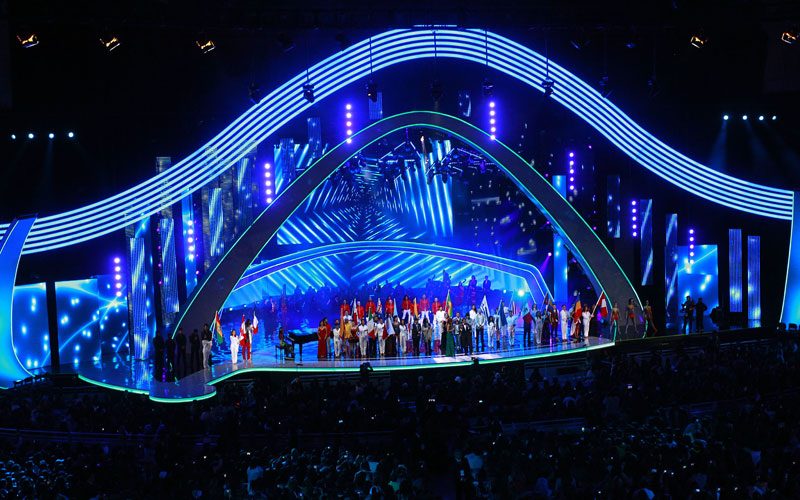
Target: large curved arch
{"points": [[536, 284], [600, 266], [387, 49]]}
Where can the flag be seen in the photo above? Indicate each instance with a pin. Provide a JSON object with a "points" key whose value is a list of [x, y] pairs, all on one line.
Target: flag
{"points": [[603, 305], [380, 307], [513, 308], [217, 327], [242, 329], [485, 307], [255, 322], [415, 309], [448, 305], [576, 314], [502, 314], [353, 311]]}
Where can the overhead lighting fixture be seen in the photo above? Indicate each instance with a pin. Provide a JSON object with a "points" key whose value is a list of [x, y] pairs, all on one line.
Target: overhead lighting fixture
{"points": [[13, 137], [790, 36], [308, 92], [744, 117], [488, 88], [110, 43], [436, 89], [548, 85], [372, 90], [774, 117], [698, 40], [30, 135], [51, 135], [205, 46], [28, 41], [761, 118], [725, 117], [71, 134]]}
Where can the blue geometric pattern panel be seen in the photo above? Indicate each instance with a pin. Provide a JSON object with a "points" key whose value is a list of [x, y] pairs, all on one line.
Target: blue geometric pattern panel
{"points": [[31, 329]]}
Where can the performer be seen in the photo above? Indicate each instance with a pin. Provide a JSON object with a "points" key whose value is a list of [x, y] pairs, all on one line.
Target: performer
{"points": [[700, 309], [630, 317], [359, 312], [502, 325], [614, 327], [565, 320], [587, 318], [344, 309], [380, 334], [577, 311], [329, 335], [688, 313], [466, 336], [372, 341], [370, 307], [393, 331], [403, 337], [487, 285], [649, 326], [286, 347], [492, 333], [427, 335], [337, 340], [527, 325], [480, 324], [416, 333], [349, 338], [389, 308], [436, 306], [247, 353], [322, 341], [406, 312], [512, 327], [207, 342], [537, 324], [425, 308], [450, 340], [438, 319], [234, 347], [363, 335]]}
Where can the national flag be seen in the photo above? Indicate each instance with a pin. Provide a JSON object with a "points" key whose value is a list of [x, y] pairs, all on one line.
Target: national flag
{"points": [[380, 307], [217, 327], [485, 307], [502, 314], [513, 309], [242, 330], [354, 311], [255, 322], [578, 311], [448, 305], [603, 305], [415, 309]]}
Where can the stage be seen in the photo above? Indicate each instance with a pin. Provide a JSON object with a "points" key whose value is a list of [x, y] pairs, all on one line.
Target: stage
{"points": [[138, 377]]}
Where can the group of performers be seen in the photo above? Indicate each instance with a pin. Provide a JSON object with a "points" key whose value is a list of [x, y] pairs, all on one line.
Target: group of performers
{"points": [[380, 329]]}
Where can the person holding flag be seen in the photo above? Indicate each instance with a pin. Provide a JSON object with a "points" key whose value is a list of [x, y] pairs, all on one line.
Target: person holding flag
{"points": [[512, 325], [216, 328], [370, 307], [577, 314], [502, 325], [389, 308], [587, 320], [246, 333], [358, 310]]}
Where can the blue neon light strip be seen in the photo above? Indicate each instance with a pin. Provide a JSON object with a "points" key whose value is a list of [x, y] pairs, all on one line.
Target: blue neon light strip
{"points": [[390, 48], [671, 268], [754, 279], [646, 240], [735, 269]]}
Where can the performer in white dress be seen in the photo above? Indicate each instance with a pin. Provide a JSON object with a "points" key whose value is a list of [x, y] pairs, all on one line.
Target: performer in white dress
{"points": [[337, 339], [234, 347], [565, 321]]}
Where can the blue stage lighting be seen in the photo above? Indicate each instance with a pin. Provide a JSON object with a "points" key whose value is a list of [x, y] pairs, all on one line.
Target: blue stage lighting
{"points": [[51, 135], [774, 117], [744, 117], [13, 137], [30, 135], [70, 134], [725, 117], [761, 118]]}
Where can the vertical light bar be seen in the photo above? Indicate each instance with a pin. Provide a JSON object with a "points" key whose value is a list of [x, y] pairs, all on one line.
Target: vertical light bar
{"points": [[735, 270], [671, 269], [376, 108], [644, 218], [348, 122], [315, 136], [190, 236], [790, 310], [244, 194], [754, 280], [169, 272], [215, 223], [270, 177], [613, 207], [139, 305], [492, 119], [571, 173], [560, 263]]}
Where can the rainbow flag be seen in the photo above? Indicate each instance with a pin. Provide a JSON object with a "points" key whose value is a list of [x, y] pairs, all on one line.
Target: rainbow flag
{"points": [[217, 327]]}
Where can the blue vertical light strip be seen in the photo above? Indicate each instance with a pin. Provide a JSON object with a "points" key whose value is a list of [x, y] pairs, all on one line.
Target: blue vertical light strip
{"points": [[215, 223], [11, 244], [671, 269], [244, 194], [645, 218], [735, 270], [790, 310], [754, 280], [190, 236], [613, 208], [560, 261], [169, 272], [140, 321]]}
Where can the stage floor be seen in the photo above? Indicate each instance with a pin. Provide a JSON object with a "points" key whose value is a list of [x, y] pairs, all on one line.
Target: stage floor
{"points": [[138, 377]]}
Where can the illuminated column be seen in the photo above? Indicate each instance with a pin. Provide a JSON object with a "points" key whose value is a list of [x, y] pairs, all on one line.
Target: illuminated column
{"points": [[572, 175], [169, 273], [492, 119], [643, 218], [754, 280], [244, 194], [190, 242], [142, 315], [285, 171], [671, 269], [215, 224], [348, 122], [613, 207], [735, 270], [560, 262], [268, 183], [314, 137], [376, 108]]}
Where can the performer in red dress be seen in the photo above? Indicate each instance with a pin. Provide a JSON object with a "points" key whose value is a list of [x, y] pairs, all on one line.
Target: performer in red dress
{"points": [[344, 309], [389, 308], [359, 311], [425, 309], [370, 307], [322, 341], [436, 306]]}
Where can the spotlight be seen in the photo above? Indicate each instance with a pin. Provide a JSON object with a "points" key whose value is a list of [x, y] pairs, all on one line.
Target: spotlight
{"points": [[436, 89], [110, 43], [254, 92], [789, 36], [744, 117], [372, 91], [30, 135], [548, 84], [698, 40], [51, 135], [13, 137], [28, 41], [308, 92], [205, 45], [605, 89], [774, 117], [725, 117], [71, 134], [488, 88], [761, 118]]}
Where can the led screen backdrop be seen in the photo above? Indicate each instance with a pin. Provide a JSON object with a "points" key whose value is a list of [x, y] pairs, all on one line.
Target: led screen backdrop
{"points": [[698, 276], [31, 338]]}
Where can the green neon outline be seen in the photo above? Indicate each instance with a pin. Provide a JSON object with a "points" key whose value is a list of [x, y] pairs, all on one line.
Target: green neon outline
{"points": [[357, 147], [184, 400]]}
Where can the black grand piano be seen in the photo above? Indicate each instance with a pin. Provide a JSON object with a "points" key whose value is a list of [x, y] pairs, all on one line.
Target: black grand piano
{"points": [[298, 338]]}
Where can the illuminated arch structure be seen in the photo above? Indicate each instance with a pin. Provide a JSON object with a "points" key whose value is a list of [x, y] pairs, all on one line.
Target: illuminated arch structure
{"points": [[384, 50]]}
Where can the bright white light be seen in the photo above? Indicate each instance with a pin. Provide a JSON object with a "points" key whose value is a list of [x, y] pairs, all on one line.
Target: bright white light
{"points": [[116, 269], [117, 277], [116, 260], [191, 248], [269, 200], [491, 105], [492, 121], [744, 117], [119, 294], [349, 115], [52, 135], [267, 175], [494, 129], [348, 106], [70, 134], [268, 183], [267, 166], [349, 132], [269, 191], [491, 113], [119, 285], [761, 118], [725, 117], [30, 135], [349, 124]]}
